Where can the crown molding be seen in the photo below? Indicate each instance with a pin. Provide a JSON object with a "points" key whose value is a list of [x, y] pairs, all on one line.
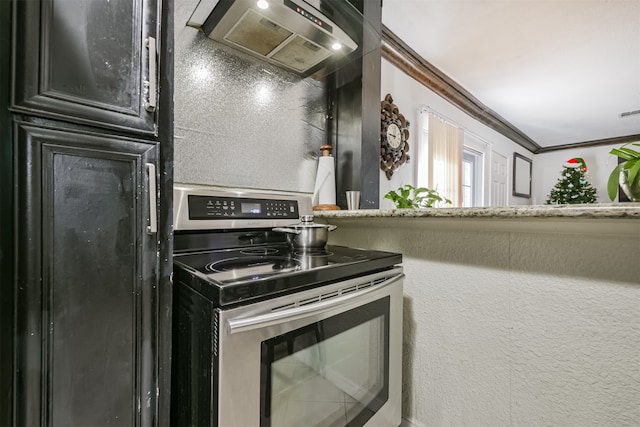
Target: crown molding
{"points": [[398, 53], [595, 143]]}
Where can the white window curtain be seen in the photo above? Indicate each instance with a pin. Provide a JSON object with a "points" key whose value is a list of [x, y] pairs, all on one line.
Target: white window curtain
{"points": [[445, 148]]}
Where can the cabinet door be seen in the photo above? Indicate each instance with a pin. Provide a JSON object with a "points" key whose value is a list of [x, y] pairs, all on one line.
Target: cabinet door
{"points": [[87, 280], [87, 61]]}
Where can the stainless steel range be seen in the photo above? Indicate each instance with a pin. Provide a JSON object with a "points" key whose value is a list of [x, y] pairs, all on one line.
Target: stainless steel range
{"points": [[267, 334]]}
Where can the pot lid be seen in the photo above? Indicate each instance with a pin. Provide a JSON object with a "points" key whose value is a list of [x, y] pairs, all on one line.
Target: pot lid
{"points": [[306, 221]]}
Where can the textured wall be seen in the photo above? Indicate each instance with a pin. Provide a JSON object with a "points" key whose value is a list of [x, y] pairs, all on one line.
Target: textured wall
{"points": [[240, 122], [515, 323]]}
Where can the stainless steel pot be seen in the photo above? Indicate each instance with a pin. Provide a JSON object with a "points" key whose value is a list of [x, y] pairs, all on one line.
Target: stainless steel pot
{"points": [[307, 234]]}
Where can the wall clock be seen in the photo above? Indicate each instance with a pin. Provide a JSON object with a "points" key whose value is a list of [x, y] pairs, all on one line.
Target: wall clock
{"points": [[394, 133]]}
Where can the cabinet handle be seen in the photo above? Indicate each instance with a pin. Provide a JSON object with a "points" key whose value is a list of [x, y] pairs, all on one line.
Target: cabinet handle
{"points": [[150, 105], [152, 228]]}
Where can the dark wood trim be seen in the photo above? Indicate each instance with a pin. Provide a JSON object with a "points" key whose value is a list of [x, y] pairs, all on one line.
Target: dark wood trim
{"points": [[165, 226], [595, 143], [7, 229], [398, 53], [353, 105]]}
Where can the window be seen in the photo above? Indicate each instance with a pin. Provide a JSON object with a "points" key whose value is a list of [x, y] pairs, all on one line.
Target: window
{"points": [[471, 178], [452, 160], [440, 156]]}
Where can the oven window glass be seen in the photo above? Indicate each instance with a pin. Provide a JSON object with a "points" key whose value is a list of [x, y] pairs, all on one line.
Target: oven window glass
{"points": [[331, 373]]}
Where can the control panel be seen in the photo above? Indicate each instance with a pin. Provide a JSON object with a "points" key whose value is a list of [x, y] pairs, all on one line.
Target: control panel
{"points": [[217, 207], [307, 14]]}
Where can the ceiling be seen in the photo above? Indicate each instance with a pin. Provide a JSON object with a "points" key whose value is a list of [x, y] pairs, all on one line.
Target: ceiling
{"points": [[560, 71]]}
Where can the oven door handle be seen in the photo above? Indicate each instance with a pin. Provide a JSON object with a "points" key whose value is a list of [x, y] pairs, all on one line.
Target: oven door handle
{"points": [[265, 320]]}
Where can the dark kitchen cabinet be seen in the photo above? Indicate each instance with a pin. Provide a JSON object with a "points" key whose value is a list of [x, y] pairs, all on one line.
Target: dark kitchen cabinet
{"points": [[88, 61], [87, 274], [86, 294]]}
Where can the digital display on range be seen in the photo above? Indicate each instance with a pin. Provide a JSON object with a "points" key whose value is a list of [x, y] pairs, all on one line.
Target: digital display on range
{"points": [[254, 208], [214, 207]]}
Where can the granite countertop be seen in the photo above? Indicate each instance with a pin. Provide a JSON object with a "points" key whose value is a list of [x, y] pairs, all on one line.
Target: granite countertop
{"points": [[608, 210]]}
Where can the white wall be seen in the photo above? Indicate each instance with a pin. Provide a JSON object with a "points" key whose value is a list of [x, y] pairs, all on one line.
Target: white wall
{"points": [[515, 323], [547, 168], [410, 96]]}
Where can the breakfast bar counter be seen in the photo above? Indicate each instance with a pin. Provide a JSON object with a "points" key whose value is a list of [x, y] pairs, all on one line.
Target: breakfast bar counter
{"points": [[609, 210]]}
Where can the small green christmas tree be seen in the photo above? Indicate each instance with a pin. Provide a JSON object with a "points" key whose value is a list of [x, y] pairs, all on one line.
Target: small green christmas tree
{"points": [[572, 186]]}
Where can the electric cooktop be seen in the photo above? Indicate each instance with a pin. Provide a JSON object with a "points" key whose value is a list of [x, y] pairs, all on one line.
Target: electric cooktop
{"points": [[232, 276]]}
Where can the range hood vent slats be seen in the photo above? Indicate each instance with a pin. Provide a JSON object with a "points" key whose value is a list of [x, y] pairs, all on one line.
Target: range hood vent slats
{"points": [[300, 54], [257, 33]]}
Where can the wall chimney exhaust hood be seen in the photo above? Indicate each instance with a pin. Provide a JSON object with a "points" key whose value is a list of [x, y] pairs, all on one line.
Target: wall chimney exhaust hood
{"points": [[292, 34]]}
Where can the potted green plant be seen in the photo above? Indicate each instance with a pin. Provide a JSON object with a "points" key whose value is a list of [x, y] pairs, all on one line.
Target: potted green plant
{"points": [[627, 173], [410, 197]]}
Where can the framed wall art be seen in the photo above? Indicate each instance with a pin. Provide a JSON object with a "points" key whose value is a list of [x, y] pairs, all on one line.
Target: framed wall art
{"points": [[521, 176]]}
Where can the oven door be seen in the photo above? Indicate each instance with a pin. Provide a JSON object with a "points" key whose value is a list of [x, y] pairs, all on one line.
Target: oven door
{"points": [[330, 356]]}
